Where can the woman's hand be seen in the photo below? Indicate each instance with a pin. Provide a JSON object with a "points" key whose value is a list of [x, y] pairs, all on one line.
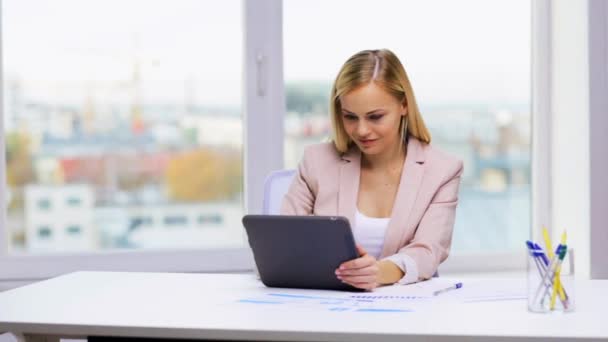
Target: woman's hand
{"points": [[362, 272]]}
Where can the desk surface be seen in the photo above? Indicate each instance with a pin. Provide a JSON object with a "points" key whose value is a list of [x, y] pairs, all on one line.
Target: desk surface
{"points": [[206, 306]]}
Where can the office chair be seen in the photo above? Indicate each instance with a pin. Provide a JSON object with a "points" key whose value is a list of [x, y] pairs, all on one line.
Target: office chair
{"points": [[275, 187]]}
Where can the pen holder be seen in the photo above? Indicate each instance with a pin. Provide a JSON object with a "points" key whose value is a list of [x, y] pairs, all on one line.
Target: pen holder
{"points": [[550, 281]]}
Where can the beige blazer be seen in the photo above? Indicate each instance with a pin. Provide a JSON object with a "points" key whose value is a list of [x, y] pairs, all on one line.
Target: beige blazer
{"points": [[421, 224]]}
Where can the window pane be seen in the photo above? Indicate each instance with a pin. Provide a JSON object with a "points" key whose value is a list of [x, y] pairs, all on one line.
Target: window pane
{"points": [[469, 63], [123, 124]]}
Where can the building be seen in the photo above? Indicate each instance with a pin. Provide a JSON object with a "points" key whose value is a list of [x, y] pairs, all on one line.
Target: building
{"points": [[64, 219], [179, 225], [59, 218]]}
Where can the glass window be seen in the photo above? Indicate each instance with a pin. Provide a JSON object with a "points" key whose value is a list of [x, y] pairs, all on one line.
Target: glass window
{"points": [[132, 105], [143, 221], [211, 219], [44, 204], [176, 220], [469, 63], [73, 230], [45, 232], [74, 201]]}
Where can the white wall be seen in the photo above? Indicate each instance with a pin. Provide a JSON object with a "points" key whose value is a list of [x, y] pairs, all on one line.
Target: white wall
{"points": [[598, 106], [570, 128], [579, 104]]}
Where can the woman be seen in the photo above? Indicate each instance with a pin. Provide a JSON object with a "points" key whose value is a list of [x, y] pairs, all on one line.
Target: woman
{"points": [[398, 192]]}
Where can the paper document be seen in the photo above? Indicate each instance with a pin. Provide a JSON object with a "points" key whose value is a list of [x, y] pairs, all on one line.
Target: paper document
{"points": [[471, 291], [494, 290], [386, 299], [389, 299]]}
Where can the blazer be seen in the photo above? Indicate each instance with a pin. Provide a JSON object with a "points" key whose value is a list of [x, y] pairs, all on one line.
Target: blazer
{"points": [[422, 220]]}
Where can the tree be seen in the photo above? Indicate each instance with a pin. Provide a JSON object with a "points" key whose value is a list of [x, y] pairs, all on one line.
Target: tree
{"points": [[204, 175], [19, 168]]}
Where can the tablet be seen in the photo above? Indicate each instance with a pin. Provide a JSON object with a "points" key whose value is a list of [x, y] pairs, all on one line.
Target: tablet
{"points": [[300, 251]]}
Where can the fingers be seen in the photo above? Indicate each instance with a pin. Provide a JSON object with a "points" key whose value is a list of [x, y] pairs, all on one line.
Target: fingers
{"points": [[358, 279], [361, 262], [361, 273], [369, 270], [361, 282], [361, 251]]}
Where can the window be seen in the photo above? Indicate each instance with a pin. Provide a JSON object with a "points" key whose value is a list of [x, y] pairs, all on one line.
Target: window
{"points": [[142, 221], [74, 201], [73, 230], [44, 204], [145, 118], [140, 111], [469, 64], [212, 219], [45, 232], [176, 220]]}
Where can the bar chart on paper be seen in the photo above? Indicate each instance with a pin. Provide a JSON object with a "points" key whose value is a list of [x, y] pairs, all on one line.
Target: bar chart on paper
{"points": [[390, 299], [417, 297], [339, 303]]}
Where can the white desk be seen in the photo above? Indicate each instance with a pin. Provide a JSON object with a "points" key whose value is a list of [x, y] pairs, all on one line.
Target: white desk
{"points": [[205, 306]]}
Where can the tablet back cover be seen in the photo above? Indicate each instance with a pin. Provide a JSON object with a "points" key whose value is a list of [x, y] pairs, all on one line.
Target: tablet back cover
{"points": [[300, 251]]}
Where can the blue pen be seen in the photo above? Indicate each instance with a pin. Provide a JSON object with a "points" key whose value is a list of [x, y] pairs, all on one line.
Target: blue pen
{"points": [[537, 256], [533, 253], [540, 259], [537, 252], [453, 287], [543, 256]]}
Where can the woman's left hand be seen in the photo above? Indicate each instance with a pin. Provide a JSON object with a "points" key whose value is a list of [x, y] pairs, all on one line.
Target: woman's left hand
{"points": [[362, 272]]}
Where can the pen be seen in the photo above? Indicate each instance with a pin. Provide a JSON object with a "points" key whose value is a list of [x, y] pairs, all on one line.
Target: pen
{"points": [[557, 286], [542, 255], [453, 287], [534, 253], [547, 243]]}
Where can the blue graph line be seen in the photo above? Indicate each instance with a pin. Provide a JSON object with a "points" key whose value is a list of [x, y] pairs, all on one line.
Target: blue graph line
{"points": [[388, 297], [259, 301], [304, 296], [383, 310]]}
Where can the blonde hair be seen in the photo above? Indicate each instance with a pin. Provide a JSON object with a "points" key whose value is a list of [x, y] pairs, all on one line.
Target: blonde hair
{"points": [[385, 69]]}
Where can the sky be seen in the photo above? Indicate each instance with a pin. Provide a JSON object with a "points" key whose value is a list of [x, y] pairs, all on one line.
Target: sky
{"points": [[454, 51]]}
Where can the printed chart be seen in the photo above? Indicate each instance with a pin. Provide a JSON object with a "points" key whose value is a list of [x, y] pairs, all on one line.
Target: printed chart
{"points": [[340, 303]]}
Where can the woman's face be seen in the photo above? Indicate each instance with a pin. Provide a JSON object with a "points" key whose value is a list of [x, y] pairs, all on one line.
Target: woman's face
{"points": [[371, 117]]}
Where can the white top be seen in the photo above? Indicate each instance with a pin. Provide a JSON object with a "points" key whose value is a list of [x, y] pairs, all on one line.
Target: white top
{"points": [[207, 306], [369, 233]]}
